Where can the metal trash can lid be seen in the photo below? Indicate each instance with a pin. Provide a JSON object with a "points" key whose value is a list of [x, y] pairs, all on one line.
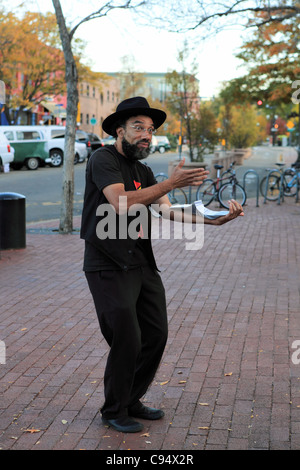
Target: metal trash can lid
{"points": [[10, 196]]}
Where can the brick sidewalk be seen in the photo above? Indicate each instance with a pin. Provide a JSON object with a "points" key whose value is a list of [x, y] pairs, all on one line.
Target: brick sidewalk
{"points": [[227, 379]]}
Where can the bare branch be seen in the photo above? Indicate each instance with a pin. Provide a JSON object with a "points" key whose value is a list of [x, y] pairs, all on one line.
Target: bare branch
{"points": [[195, 14], [291, 12], [104, 10]]}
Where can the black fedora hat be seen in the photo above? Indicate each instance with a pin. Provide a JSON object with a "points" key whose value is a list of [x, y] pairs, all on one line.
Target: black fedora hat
{"points": [[133, 107]]}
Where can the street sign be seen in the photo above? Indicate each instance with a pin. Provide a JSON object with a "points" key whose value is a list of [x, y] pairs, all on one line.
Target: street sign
{"points": [[93, 121], [290, 124]]}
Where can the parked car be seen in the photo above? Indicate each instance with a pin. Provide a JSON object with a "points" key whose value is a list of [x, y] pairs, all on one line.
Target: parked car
{"points": [[92, 141], [110, 140], [30, 146], [95, 141], [56, 147], [162, 144], [153, 144], [7, 152], [83, 138]]}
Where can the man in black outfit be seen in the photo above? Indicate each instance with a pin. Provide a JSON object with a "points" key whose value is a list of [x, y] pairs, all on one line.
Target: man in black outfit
{"points": [[121, 270]]}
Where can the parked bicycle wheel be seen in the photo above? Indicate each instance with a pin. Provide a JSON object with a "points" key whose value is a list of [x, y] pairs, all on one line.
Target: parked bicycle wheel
{"points": [[161, 177], [206, 191], [289, 183], [177, 196], [272, 191], [232, 191]]}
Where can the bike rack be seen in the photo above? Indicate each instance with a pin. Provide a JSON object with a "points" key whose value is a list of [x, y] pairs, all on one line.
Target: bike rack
{"points": [[280, 195], [295, 167], [297, 187], [257, 183]]}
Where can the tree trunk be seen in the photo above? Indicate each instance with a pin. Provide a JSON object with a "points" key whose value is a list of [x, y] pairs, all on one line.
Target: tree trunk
{"points": [[66, 217]]}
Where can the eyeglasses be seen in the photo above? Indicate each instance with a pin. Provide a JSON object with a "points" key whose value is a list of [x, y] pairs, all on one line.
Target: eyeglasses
{"points": [[142, 130]]}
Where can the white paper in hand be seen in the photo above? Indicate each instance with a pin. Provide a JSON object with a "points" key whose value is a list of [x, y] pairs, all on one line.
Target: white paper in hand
{"points": [[207, 213], [198, 206]]}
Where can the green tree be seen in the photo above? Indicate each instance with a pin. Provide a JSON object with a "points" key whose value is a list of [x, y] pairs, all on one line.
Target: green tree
{"points": [[242, 130]]}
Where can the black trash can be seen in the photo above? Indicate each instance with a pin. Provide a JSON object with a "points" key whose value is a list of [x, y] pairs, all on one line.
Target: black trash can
{"points": [[12, 221]]}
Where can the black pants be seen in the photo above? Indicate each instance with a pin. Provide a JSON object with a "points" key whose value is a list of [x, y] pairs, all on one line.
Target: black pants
{"points": [[131, 309]]}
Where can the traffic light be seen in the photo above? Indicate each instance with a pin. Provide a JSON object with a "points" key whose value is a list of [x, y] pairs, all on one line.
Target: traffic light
{"points": [[259, 102]]}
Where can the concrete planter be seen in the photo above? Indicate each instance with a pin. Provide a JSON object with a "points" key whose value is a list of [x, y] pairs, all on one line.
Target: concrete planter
{"points": [[241, 154]]}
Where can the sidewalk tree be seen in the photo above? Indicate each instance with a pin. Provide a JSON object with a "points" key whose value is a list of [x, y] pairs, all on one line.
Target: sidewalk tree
{"points": [[71, 73], [204, 130], [183, 100]]}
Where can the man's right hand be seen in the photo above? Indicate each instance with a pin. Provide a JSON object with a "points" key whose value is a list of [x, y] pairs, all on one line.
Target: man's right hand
{"points": [[180, 178]]}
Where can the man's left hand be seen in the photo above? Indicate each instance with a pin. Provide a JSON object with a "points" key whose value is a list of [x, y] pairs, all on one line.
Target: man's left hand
{"points": [[235, 210]]}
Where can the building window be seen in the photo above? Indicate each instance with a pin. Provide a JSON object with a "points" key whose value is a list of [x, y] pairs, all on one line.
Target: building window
{"points": [[107, 95], [94, 92], [101, 98], [87, 118], [88, 90]]}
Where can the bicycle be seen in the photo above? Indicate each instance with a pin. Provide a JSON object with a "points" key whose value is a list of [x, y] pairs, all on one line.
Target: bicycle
{"points": [[222, 189], [279, 180], [177, 195]]}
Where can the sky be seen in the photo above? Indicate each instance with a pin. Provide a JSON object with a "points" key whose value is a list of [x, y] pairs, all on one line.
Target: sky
{"points": [[110, 38]]}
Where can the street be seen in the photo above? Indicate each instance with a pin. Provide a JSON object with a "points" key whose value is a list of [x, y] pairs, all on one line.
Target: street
{"points": [[42, 188]]}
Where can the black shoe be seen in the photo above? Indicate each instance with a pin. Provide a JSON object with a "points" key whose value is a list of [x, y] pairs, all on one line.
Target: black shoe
{"points": [[145, 412], [123, 424]]}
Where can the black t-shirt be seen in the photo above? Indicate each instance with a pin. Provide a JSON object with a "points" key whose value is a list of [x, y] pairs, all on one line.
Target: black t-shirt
{"points": [[105, 167]]}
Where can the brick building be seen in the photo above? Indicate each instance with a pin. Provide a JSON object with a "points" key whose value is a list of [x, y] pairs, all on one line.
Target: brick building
{"points": [[96, 103]]}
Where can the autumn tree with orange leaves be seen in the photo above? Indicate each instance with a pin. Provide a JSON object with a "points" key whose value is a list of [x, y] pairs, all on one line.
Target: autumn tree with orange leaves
{"points": [[273, 57], [29, 56], [32, 63]]}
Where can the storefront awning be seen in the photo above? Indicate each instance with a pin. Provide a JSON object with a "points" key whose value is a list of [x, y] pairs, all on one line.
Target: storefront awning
{"points": [[57, 110]]}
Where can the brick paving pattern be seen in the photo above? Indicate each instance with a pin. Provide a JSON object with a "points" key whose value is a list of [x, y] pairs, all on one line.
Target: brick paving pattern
{"points": [[227, 379]]}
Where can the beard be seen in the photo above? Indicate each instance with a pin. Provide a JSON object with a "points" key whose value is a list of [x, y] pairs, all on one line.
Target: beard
{"points": [[133, 152]]}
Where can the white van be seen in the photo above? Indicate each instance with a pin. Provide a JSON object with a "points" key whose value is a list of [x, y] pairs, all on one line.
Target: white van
{"points": [[55, 136], [7, 152], [34, 146], [29, 144]]}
